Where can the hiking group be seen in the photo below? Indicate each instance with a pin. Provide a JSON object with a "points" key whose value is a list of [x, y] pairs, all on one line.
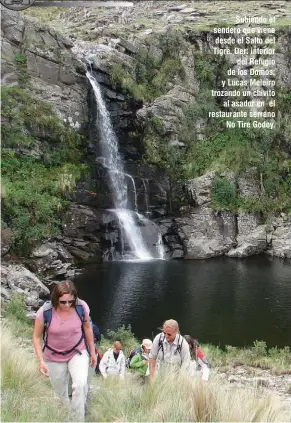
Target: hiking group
{"points": [[65, 343]]}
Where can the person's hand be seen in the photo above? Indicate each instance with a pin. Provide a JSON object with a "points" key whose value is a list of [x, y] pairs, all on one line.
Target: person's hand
{"points": [[93, 360], [43, 368]]}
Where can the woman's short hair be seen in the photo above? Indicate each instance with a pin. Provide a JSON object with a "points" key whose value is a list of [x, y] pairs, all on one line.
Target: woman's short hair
{"points": [[171, 323], [63, 287]]}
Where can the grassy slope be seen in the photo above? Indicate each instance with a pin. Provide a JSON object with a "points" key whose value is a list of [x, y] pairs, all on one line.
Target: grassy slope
{"points": [[170, 399], [76, 22]]}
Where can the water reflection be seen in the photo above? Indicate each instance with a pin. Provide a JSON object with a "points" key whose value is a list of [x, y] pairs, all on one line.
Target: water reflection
{"points": [[223, 301]]}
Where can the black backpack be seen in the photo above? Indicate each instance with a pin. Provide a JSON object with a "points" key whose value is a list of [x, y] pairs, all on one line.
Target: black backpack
{"points": [[96, 333], [132, 353]]}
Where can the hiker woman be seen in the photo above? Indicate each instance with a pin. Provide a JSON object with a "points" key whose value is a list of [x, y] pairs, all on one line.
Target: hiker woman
{"points": [[66, 330], [170, 349], [140, 360], [199, 362], [113, 362]]}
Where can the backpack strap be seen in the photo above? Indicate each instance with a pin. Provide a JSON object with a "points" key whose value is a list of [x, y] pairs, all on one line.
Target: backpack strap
{"points": [[47, 317], [81, 313], [161, 345], [179, 346]]}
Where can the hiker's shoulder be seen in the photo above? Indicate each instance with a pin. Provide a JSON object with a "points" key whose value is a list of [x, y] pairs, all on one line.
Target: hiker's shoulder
{"points": [[40, 311], [84, 305]]}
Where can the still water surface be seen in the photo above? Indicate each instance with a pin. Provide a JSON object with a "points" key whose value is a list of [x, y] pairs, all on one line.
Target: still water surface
{"points": [[221, 301]]}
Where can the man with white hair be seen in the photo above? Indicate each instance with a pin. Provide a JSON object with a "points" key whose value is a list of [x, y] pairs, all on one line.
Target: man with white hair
{"points": [[170, 348]]}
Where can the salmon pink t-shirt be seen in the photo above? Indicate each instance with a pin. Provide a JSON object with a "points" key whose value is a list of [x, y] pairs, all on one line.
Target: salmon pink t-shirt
{"points": [[64, 334]]}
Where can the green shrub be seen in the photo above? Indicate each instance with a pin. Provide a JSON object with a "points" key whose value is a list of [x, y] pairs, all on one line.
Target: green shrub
{"points": [[124, 335], [28, 121], [223, 194], [15, 308], [21, 70], [260, 348], [34, 197], [35, 183]]}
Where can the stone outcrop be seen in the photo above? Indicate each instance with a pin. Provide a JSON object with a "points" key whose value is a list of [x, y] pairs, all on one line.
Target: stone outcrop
{"points": [[206, 234], [280, 238], [81, 232], [41, 57], [169, 109], [254, 242], [54, 68], [52, 260], [15, 278]]}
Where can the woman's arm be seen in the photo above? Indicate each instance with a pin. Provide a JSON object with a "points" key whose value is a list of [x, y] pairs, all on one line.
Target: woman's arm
{"points": [[90, 341], [37, 344]]}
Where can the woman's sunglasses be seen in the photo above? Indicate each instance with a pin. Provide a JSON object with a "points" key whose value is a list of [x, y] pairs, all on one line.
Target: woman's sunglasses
{"points": [[65, 302]]}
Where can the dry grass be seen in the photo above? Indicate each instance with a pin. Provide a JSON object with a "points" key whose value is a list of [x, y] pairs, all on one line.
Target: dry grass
{"points": [[26, 396], [182, 398]]}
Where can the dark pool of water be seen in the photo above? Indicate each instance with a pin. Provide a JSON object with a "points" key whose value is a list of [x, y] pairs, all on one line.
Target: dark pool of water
{"points": [[222, 301]]}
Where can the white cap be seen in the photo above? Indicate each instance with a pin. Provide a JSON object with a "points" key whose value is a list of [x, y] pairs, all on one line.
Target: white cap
{"points": [[147, 343]]}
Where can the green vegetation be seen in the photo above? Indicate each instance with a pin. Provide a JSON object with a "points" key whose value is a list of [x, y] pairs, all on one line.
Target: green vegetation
{"points": [[153, 75], [40, 163], [223, 194], [177, 397], [209, 146], [21, 70], [277, 360], [27, 396], [14, 313]]}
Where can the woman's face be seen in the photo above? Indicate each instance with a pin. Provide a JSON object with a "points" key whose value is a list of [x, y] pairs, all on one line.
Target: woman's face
{"points": [[66, 301]]}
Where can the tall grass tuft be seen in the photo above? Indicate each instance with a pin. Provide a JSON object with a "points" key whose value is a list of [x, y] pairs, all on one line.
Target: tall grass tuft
{"points": [[26, 395], [177, 398]]}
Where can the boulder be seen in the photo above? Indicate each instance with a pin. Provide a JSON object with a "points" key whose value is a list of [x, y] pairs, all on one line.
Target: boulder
{"points": [[206, 234], [15, 278], [255, 242], [199, 189], [51, 259], [281, 241]]}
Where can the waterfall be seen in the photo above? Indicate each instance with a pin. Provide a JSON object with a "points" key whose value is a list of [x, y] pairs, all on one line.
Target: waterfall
{"points": [[146, 195], [134, 190], [159, 250], [160, 247], [109, 146]]}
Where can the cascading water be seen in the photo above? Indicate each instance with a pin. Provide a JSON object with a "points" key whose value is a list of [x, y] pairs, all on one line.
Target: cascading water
{"points": [[146, 195], [110, 151], [134, 191], [160, 247]]}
